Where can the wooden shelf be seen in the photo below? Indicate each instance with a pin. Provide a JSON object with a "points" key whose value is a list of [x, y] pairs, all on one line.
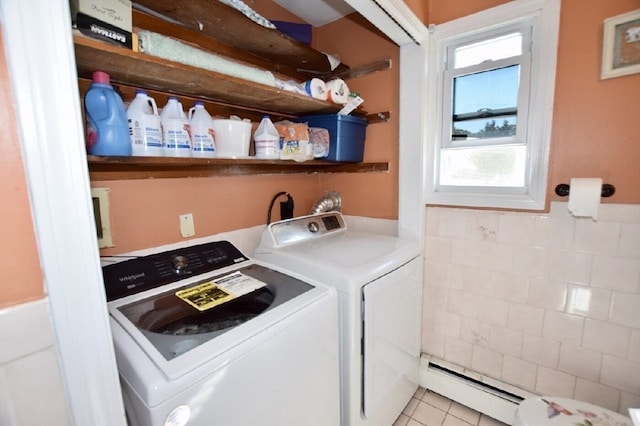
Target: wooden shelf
{"points": [[145, 71], [227, 25], [119, 168], [219, 28]]}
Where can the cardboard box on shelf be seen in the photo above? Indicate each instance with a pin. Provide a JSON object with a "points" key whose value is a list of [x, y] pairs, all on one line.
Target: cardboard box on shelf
{"points": [[107, 20]]}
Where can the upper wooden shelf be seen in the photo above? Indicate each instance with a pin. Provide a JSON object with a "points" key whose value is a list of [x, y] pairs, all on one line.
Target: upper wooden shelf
{"points": [[218, 28], [145, 71], [118, 168], [227, 25]]}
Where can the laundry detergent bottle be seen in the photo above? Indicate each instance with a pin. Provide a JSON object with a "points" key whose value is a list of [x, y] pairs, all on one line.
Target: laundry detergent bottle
{"points": [[202, 134], [176, 132], [107, 130], [267, 139], [145, 129]]}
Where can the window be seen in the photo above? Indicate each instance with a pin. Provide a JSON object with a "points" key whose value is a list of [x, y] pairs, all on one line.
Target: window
{"points": [[490, 122]]}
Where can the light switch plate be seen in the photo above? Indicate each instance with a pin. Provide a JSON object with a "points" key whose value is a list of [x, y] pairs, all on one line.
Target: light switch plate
{"points": [[187, 228], [101, 211]]}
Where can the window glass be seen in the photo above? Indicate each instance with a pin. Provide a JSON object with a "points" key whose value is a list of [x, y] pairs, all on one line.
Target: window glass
{"points": [[502, 166], [492, 49], [485, 104]]}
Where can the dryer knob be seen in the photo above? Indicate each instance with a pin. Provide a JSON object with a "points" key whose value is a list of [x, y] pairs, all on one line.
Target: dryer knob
{"points": [[180, 263], [313, 227]]}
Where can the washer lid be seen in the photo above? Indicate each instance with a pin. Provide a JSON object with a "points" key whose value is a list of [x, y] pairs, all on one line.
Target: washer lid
{"points": [[180, 327], [548, 410]]}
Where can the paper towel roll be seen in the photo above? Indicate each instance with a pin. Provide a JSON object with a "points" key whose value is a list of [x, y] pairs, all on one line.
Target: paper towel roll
{"points": [[338, 91], [316, 88], [584, 197]]}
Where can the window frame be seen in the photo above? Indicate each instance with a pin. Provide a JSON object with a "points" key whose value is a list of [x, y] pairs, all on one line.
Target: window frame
{"points": [[451, 73], [543, 17]]}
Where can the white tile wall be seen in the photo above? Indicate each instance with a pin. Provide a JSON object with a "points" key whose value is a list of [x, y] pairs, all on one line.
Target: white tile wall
{"points": [[546, 302], [31, 388]]}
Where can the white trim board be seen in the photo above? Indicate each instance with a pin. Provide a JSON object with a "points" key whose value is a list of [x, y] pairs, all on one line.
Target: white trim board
{"points": [[44, 83]]}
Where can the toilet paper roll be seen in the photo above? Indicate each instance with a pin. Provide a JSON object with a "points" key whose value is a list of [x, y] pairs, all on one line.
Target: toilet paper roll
{"points": [[338, 91], [316, 88], [584, 197]]}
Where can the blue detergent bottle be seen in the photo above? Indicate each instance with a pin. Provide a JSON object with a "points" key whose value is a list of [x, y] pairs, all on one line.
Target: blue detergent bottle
{"points": [[107, 127]]}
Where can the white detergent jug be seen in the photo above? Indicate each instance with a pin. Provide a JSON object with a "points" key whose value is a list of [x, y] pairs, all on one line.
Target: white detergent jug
{"points": [[267, 139], [176, 132], [202, 134], [145, 129]]}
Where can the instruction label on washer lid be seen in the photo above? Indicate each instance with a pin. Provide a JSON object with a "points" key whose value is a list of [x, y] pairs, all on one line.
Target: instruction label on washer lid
{"points": [[215, 292]]}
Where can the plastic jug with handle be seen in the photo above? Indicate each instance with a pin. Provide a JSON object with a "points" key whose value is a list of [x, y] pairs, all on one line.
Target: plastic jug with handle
{"points": [[176, 132], [267, 139], [107, 130], [202, 134], [145, 129]]}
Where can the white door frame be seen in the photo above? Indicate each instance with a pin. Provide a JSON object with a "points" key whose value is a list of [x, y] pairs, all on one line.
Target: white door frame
{"points": [[399, 23], [42, 70]]}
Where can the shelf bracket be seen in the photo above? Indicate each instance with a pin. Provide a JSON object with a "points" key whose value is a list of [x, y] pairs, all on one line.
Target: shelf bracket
{"points": [[379, 117], [354, 72]]}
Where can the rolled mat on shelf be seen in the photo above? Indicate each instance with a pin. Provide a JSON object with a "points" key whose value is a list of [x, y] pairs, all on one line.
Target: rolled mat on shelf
{"points": [[155, 44]]}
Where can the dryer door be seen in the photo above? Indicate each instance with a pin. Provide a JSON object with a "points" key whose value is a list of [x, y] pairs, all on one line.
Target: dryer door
{"points": [[391, 332]]}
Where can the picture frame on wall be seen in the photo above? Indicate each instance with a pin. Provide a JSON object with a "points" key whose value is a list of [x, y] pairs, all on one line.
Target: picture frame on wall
{"points": [[621, 45]]}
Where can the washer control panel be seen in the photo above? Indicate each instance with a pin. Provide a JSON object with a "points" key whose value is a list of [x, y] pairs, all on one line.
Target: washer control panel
{"points": [[145, 272], [306, 227]]}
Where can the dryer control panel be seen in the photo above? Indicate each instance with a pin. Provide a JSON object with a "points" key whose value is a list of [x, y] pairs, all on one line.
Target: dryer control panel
{"points": [[306, 228]]}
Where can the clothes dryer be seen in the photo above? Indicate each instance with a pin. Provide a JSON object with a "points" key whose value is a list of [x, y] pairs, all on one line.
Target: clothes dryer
{"points": [[379, 283]]}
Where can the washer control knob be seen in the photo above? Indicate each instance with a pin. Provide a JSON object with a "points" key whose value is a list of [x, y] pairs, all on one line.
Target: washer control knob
{"points": [[180, 263], [314, 227]]}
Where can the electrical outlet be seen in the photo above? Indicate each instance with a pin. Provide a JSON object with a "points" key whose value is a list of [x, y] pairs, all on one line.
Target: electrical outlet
{"points": [[187, 228]]}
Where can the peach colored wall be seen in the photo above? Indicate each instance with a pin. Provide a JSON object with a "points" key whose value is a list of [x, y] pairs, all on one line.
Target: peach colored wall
{"points": [[443, 11], [595, 130], [421, 8], [370, 194], [595, 124], [20, 275], [144, 213]]}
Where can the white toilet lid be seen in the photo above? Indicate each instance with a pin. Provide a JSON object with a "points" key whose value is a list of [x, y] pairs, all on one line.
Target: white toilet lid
{"points": [[549, 410]]}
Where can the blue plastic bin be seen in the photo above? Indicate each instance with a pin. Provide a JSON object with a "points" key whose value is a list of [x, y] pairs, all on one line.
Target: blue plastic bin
{"points": [[346, 135], [299, 32]]}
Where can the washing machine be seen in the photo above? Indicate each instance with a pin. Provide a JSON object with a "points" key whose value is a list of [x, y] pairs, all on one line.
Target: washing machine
{"points": [[204, 335], [379, 284]]}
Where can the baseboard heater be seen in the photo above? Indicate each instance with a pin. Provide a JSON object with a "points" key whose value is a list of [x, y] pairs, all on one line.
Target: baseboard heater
{"points": [[496, 399]]}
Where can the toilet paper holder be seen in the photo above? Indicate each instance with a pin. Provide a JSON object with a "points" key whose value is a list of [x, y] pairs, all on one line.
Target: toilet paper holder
{"points": [[563, 190]]}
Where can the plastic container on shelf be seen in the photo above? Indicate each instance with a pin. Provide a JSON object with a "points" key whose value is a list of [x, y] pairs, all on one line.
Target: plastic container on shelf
{"points": [[145, 129], [107, 130], [233, 138], [346, 135], [176, 132], [267, 139], [202, 134]]}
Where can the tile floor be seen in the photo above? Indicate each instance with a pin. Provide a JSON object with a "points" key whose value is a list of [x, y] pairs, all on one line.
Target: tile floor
{"points": [[427, 408]]}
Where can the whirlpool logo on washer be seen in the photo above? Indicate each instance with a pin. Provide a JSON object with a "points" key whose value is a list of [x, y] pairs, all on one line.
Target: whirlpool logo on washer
{"points": [[133, 277]]}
